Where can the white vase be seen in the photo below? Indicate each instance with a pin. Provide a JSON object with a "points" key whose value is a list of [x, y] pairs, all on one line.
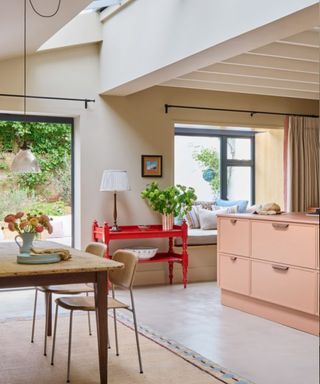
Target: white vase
{"points": [[167, 222]]}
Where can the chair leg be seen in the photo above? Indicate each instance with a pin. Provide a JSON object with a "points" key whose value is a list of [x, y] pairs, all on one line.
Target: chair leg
{"points": [[116, 331], [46, 326], [69, 347], [54, 334], [34, 314], [108, 341], [89, 320], [136, 330]]}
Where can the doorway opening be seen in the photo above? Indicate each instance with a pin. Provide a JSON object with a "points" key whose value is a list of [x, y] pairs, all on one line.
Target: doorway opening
{"points": [[48, 192]]}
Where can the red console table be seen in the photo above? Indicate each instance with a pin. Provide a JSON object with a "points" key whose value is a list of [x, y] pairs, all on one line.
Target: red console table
{"points": [[103, 233]]}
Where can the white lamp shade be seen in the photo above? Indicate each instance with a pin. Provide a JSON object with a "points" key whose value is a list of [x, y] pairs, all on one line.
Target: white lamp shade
{"points": [[113, 180], [25, 162]]}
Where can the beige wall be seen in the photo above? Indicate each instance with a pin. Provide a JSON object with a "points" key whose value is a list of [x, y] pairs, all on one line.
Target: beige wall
{"points": [[269, 167], [115, 131]]}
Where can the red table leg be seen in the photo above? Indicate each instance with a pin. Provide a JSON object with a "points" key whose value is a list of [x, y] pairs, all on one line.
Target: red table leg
{"points": [[102, 324], [170, 272], [184, 253]]}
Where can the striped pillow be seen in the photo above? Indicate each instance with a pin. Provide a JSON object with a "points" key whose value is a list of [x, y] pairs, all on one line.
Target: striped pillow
{"points": [[192, 218]]}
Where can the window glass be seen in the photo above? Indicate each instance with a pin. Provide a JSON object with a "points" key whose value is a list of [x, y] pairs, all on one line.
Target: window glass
{"points": [[239, 149], [197, 165], [48, 192], [239, 183]]}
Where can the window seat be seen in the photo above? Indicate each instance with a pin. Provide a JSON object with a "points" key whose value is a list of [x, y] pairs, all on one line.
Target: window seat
{"points": [[199, 237]]}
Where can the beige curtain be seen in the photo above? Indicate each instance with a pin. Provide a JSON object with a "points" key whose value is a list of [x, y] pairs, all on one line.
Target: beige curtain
{"points": [[302, 164]]}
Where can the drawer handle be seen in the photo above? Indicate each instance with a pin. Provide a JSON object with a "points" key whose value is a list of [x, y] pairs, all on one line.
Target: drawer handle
{"points": [[233, 221], [280, 226], [233, 258], [280, 267]]}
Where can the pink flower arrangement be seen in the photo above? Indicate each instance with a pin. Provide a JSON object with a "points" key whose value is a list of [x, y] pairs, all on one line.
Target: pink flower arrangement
{"points": [[28, 223]]}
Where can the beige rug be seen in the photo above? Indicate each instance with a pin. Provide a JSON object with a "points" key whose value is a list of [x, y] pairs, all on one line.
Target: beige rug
{"points": [[23, 363]]}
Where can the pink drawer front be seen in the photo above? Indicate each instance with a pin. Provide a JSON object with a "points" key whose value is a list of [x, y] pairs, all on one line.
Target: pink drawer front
{"points": [[234, 236], [287, 286], [294, 244], [318, 294], [234, 274]]}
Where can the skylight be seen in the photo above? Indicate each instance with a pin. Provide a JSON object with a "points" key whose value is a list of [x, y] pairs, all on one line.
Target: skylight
{"points": [[99, 5]]}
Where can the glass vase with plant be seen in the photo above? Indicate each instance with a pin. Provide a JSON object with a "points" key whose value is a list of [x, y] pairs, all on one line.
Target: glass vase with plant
{"points": [[173, 201]]}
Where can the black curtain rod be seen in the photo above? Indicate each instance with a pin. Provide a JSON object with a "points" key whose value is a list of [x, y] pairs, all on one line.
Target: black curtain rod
{"points": [[85, 101], [168, 106]]}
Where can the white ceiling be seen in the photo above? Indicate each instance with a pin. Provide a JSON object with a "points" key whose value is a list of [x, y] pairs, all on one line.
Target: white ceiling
{"points": [[288, 67], [38, 29]]}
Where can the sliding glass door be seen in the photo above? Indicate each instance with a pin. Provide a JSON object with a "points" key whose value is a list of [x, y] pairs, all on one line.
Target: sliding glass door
{"points": [[48, 192]]}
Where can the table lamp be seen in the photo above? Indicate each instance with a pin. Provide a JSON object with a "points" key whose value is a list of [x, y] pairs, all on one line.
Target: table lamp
{"points": [[114, 181]]}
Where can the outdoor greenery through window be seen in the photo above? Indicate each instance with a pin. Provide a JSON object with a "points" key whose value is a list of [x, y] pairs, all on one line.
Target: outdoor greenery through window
{"points": [[218, 163], [49, 191]]}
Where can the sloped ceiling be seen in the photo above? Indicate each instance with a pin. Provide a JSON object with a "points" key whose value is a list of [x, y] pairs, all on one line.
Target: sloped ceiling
{"points": [[39, 29], [288, 67]]}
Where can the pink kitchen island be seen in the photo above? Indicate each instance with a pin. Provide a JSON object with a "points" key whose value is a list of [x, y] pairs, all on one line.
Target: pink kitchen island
{"points": [[269, 266]]}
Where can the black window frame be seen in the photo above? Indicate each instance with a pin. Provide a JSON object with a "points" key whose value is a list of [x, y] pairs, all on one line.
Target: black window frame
{"points": [[51, 119], [224, 135]]}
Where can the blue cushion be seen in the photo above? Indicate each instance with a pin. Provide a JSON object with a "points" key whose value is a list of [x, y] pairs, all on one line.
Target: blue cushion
{"points": [[242, 204]]}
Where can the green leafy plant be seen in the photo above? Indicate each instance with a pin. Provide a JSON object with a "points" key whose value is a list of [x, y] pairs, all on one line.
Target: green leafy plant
{"points": [[50, 209], [176, 200], [208, 158], [51, 144]]}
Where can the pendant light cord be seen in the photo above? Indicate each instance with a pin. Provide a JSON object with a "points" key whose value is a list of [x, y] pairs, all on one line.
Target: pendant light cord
{"points": [[41, 14], [25, 64], [25, 52]]}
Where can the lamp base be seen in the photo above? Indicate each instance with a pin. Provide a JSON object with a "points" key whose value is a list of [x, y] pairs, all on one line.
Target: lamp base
{"points": [[115, 228]]}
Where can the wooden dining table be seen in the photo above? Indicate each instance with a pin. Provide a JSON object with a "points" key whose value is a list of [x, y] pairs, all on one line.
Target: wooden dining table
{"points": [[81, 268]]}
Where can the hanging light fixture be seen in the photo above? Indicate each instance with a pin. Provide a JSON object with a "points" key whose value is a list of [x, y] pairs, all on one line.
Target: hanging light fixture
{"points": [[25, 161]]}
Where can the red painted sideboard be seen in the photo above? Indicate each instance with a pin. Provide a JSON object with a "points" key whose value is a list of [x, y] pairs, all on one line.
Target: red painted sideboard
{"points": [[104, 234]]}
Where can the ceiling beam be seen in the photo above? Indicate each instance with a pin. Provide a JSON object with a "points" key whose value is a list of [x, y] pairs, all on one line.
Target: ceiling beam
{"points": [[242, 89], [288, 51], [308, 39], [268, 73], [250, 81], [263, 61]]}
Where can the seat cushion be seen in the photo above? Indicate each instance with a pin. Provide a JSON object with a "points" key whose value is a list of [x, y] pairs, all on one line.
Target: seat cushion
{"points": [[86, 303], [199, 237], [66, 289]]}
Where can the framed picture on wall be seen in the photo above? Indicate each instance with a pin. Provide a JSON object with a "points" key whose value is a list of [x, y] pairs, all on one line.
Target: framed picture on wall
{"points": [[151, 166]]}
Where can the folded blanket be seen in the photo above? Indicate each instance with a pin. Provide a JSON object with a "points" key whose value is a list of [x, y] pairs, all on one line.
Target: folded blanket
{"points": [[63, 253]]}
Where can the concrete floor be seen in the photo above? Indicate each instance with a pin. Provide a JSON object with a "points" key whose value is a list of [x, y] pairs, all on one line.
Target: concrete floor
{"points": [[257, 349]]}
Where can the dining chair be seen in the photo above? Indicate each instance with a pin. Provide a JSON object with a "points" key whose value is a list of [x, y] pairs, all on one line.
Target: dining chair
{"points": [[97, 249], [122, 278]]}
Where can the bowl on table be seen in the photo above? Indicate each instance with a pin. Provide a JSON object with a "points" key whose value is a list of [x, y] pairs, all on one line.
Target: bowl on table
{"points": [[143, 253]]}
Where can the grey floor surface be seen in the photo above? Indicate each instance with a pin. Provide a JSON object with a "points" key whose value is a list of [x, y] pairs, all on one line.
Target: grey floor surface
{"points": [[257, 349]]}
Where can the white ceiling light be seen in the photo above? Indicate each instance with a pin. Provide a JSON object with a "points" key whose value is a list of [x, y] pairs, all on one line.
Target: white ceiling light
{"points": [[24, 162]]}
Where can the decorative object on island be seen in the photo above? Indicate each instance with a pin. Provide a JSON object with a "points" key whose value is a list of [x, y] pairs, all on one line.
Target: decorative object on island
{"points": [[114, 181], [25, 161], [27, 227], [270, 209], [173, 201], [151, 166]]}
